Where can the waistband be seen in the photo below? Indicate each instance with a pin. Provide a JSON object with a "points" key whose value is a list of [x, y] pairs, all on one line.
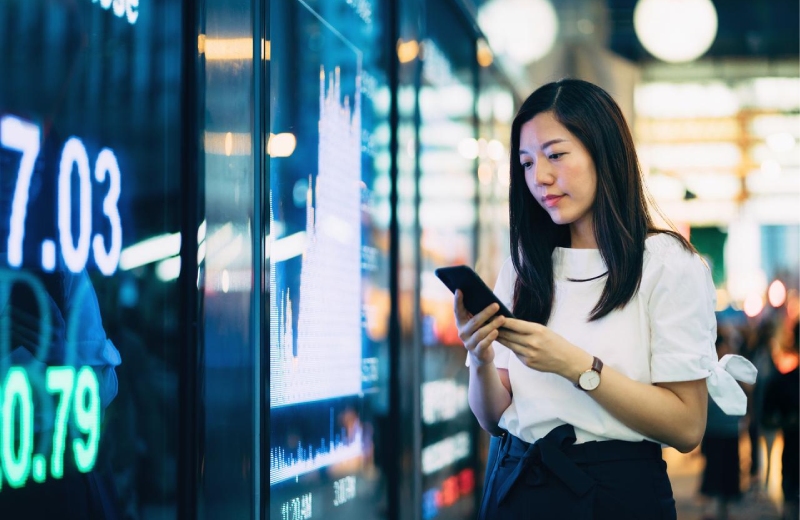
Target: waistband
{"points": [[588, 452], [558, 454]]}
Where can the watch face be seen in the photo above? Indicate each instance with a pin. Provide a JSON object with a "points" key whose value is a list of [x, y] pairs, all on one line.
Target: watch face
{"points": [[589, 380]]}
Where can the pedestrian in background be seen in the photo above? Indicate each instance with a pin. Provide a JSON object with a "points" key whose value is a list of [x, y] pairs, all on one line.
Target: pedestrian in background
{"points": [[720, 446], [781, 409]]}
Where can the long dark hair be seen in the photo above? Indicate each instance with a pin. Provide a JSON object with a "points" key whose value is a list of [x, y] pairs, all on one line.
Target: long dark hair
{"points": [[621, 218]]}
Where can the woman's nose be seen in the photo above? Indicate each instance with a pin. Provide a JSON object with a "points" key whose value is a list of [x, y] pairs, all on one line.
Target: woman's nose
{"points": [[542, 174]]}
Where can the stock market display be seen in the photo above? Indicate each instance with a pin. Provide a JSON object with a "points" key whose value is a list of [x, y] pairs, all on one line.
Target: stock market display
{"points": [[327, 282], [89, 128]]}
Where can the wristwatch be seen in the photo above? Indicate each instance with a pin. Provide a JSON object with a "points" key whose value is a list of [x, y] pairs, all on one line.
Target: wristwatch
{"points": [[590, 379]]}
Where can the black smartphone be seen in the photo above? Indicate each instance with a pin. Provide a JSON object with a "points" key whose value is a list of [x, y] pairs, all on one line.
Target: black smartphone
{"points": [[477, 295]]}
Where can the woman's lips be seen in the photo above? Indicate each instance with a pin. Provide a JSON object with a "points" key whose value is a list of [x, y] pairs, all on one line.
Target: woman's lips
{"points": [[552, 200]]}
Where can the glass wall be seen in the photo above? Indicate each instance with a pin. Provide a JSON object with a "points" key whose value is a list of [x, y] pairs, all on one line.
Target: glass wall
{"points": [[328, 259], [219, 222], [448, 221], [227, 244], [90, 173]]}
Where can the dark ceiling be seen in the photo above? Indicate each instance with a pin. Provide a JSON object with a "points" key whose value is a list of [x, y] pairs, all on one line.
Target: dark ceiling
{"points": [[767, 29]]}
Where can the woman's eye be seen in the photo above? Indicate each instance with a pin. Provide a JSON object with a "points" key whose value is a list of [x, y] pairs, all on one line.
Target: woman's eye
{"points": [[555, 155], [526, 165]]}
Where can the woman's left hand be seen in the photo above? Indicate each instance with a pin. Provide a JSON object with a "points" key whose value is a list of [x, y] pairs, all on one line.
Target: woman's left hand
{"points": [[541, 349]]}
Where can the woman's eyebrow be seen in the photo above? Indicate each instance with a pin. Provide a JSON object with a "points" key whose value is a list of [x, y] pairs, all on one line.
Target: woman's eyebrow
{"points": [[551, 142]]}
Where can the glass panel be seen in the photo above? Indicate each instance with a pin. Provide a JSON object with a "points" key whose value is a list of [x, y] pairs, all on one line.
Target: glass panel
{"points": [[89, 238], [225, 240], [407, 357], [448, 220], [328, 249], [496, 109]]}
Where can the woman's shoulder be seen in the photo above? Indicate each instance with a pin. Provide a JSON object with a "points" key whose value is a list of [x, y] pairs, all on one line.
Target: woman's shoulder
{"points": [[665, 248], [663, 243], [666, 254], [507, 273]]}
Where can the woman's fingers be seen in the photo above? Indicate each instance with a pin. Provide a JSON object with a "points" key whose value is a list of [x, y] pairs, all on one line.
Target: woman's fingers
{"points": [[488, 331], [521, 326], [462, 316], [478, 321], [508, 335], [486, 342], [467, 327]]}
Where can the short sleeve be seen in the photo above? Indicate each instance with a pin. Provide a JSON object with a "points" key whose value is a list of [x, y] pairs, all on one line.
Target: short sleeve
{"points": [[504, 289], [683, 327]]}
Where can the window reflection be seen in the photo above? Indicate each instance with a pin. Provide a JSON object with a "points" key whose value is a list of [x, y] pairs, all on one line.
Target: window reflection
{"points": [[89, 132], [328, 249]]}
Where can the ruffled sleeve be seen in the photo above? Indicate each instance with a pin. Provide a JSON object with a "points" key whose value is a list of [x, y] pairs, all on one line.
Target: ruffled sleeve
{"points": [[683, 327]]}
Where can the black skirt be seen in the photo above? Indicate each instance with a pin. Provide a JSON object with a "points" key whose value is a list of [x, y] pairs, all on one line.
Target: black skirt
{"points": [[554, 478]]}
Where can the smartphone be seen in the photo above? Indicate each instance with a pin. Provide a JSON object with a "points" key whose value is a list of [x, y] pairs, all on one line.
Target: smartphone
{"points": [[477, 295]]}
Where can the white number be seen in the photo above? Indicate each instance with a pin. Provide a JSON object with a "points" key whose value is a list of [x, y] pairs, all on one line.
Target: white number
{"points": [[74, 256], [21, 136], [24, 137], [107, 261]]}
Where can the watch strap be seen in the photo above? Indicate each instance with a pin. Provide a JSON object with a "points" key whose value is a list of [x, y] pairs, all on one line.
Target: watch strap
{"points": [[597, 366]]}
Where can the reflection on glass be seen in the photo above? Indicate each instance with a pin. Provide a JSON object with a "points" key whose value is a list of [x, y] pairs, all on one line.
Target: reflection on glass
{"points": [[448, 218], [88, 331], [327, 253]]}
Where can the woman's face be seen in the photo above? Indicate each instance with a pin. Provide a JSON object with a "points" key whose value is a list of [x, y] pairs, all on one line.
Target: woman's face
{"points": [[559, 171]]}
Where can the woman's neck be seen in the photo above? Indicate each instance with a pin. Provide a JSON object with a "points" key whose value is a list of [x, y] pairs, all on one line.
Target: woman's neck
{"points": [[581, 236]]}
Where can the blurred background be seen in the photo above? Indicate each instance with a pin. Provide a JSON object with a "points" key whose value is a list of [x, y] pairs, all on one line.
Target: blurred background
{"points": [[259, 192]]}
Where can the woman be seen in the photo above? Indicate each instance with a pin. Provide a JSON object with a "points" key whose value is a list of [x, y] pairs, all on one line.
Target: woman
{"points": [[612, 349]]}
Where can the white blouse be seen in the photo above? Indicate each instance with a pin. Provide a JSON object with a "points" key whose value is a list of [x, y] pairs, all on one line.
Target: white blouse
{"points": [[666, 333]]}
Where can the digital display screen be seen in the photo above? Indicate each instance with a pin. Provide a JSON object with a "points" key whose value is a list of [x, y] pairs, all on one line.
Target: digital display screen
{"points": [[449, 147], [43, 377], [328, 249], [89, 140]]}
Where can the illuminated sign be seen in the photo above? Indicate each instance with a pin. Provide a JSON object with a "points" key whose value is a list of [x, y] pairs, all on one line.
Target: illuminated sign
{"points": [[443, 400], [121, 8], [451, 490], [78, 406], [24, 137], [321, 357], [344, 490], [76, 393], [50, 414], [297, 508], [445, 452]]}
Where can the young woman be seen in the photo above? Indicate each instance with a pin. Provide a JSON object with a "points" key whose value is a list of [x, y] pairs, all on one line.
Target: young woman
{"points": [[612, 351]]}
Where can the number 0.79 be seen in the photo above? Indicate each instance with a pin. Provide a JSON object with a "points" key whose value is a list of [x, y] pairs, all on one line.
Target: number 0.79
{"points": [[78, 398]]}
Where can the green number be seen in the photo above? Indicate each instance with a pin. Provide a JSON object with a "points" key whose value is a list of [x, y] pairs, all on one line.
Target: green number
{"points": [[17, 466], [39, 468], [60, 380], [87, 419]]}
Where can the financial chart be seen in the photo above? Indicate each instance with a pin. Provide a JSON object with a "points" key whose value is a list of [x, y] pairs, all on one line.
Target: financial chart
{"points": [[327, 278]]}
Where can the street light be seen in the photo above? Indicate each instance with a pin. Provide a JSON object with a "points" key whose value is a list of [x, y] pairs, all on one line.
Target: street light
{"points": [[675, 31]]}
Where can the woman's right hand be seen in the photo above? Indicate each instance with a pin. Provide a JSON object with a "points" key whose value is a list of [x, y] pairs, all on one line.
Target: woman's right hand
{"points": [[479, 331]]}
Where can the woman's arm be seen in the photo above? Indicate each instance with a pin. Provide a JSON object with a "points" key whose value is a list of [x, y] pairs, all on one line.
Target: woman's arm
{"points": [[489, 394], [489, 387], [671, 413]]}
